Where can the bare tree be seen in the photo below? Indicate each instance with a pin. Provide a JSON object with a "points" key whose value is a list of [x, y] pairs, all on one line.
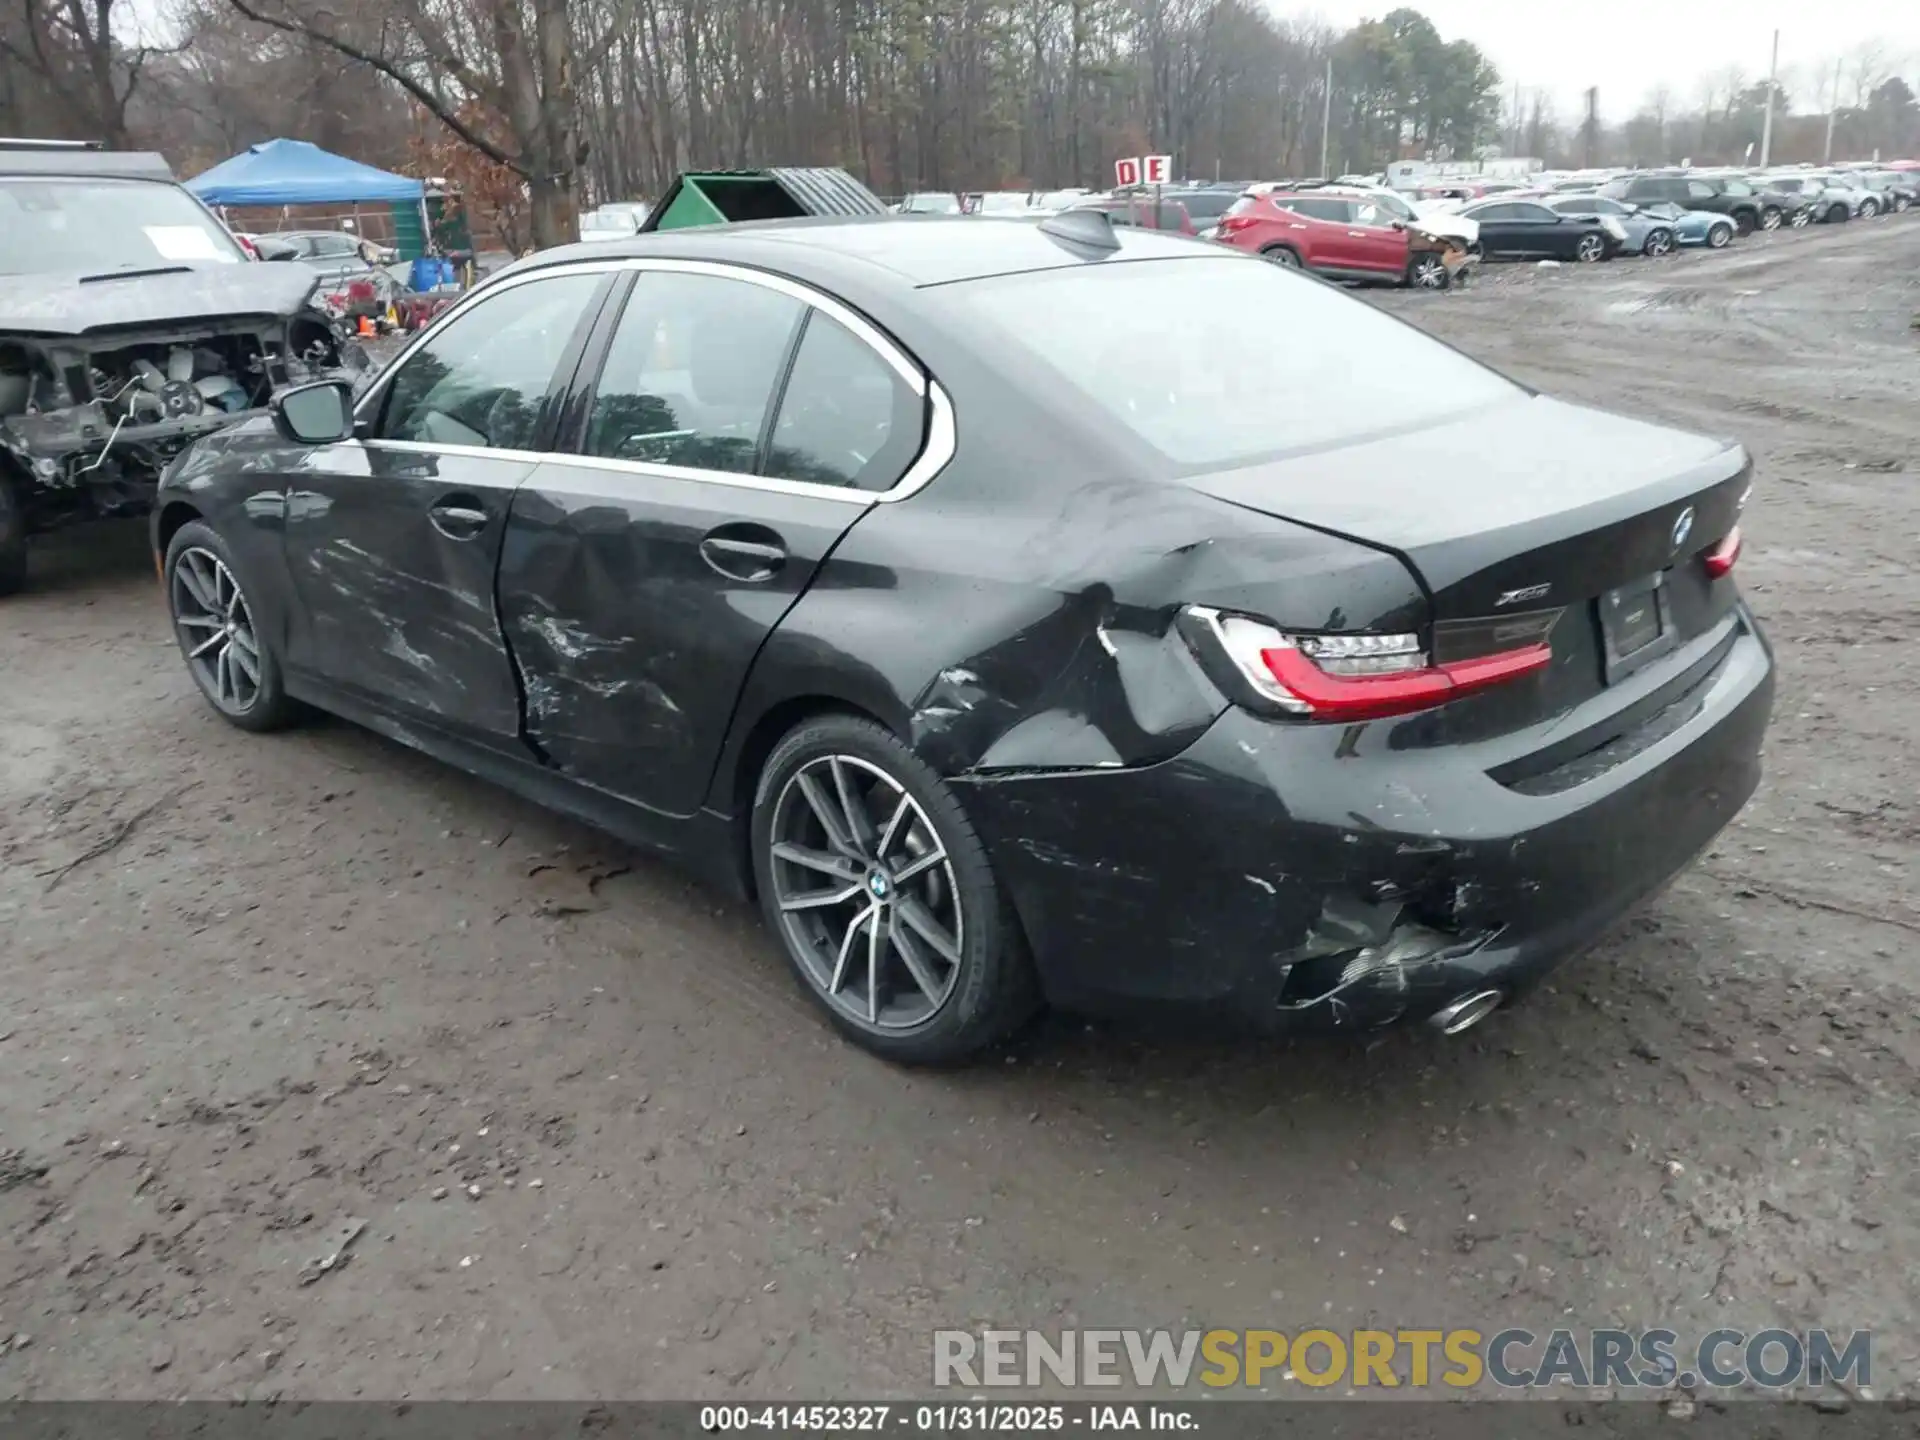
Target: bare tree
{"points": [[73, 50]]}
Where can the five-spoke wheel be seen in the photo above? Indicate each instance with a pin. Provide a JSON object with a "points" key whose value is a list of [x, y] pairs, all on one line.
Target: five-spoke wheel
{"points": [[216, 630], [881, 895]]}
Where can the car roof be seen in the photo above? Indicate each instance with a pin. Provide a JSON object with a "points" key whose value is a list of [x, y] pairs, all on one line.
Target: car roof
{"points": [[26, 158], [883, 250]]}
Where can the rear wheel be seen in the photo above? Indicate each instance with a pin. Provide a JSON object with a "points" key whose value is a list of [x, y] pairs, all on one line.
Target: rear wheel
{"points": [[1802, 218], [1900, 203], [1869, 209], [1659, 242], [1590, 248], [1770, 218], [1282, 255], [1427, 272], [1837, 213], [1720, 236], [881, 895], [1745, 221], [13, 537]]}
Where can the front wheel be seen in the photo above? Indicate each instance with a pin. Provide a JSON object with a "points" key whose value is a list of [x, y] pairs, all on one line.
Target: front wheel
{"points": [[880, 892], [229, 658], [1281, 255], [13, 537], [1427, 272], [1900, 203], [1837, 214], [1744, 221], [1869, 209], [1802, 218], [1659, 242], [1770, 218], [1589, 249], [1720, 236]]}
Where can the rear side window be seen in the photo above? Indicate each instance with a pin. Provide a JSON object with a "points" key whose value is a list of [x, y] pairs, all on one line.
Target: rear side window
{"points": [[846, 416], [1245, 205], [481, 380], [1263, 361], [1700, 190], [1315, 207], [691, 372]]}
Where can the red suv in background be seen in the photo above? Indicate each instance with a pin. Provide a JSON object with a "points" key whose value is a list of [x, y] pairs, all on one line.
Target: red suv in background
{"points": [[1342, 237], [1138, 212]]}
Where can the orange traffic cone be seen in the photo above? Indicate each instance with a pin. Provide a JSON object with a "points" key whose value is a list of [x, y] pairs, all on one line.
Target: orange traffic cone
{"points": [[366, 327]]}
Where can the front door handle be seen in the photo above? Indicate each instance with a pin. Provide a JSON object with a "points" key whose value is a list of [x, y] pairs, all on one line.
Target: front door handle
{"points": [[744, 552], [458, 517]]}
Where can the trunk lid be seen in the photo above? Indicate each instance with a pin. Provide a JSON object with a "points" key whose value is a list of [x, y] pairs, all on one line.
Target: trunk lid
{"points": [[1489, 507]]}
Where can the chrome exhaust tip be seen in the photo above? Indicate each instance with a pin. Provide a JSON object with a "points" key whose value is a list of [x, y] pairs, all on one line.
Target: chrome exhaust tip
{"points": [[1466, 1012]]}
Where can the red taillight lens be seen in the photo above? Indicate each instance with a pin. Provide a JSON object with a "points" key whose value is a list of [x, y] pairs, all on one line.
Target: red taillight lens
{"points": [[1719, 560], [1229, 224], [1371, 697], [1343, 678]]}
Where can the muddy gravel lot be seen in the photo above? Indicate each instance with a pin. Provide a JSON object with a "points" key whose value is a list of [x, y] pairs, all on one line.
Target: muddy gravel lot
{"points": [[258, 992]]}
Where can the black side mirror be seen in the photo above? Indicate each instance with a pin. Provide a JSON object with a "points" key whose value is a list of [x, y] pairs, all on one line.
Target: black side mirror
{"points": [[319, 414]]}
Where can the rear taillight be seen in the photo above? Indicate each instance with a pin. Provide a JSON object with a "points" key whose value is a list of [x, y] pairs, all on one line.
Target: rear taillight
{"points": [[1343, 678], [1719, 560], [1232, 224]]}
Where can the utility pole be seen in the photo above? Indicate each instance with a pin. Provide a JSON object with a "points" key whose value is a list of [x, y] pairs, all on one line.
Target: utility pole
{"points": [[1516, 119], [1833, 109], [1766, 124], [1326, 122], [1592, 127]]}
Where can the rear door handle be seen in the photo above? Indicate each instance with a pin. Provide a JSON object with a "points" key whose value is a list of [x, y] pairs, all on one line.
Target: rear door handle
{"points": [[458, 517], [744, 552]]}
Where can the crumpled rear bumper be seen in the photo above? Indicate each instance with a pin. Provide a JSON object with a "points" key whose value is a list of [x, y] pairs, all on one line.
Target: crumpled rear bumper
{"points": [[1303, 876]]}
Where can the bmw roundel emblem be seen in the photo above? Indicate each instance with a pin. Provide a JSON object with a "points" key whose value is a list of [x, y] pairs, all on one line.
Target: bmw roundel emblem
{"points": [[1682, 527]]}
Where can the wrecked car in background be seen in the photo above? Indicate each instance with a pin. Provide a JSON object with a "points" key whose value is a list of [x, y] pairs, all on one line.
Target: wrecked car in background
{"points": [[131, 324]]}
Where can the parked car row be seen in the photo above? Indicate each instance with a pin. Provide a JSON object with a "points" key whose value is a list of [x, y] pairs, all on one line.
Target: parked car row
{"points": [[1358, 230]]}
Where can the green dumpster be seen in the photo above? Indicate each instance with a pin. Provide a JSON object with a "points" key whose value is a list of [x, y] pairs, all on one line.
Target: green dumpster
{"points": [[724, 197]]}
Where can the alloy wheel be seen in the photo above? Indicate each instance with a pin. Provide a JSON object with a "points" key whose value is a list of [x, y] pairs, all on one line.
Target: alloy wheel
{"points": [[1801, 219], [1659, 242], [1280, 255], [866, 893], [1590, 248], [1770, 219], [1869, 209], [216, 630], [1719, 236], [1430, 273]]}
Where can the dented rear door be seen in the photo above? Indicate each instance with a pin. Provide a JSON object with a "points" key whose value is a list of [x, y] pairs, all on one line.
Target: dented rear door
{"points": [[735, 432]]}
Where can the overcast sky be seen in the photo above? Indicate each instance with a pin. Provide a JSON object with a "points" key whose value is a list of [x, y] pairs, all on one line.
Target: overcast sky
{"points": [[1626, 47]]}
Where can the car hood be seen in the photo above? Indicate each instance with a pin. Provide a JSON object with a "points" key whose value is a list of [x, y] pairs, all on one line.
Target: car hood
{"points": [[1447, 225], [1461, 499], [74, 304]]}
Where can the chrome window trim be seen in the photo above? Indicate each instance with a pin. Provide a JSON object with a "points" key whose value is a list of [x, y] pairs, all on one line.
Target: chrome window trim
{"points": [[936, 450]]}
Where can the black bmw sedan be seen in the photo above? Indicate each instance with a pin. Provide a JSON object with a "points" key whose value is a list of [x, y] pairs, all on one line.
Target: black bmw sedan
{"points": [[1019, 612]]}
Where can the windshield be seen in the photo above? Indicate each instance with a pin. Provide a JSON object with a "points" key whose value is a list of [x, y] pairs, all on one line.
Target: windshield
{"points": [[49, 226], [1216, 362]]}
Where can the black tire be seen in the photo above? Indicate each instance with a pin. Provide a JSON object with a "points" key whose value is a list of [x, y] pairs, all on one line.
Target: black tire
{"points": [[1838, 214], [991, 990], [1771, 217], [263, 706], [1427, 272], [1745, 221], [13, 537], [1284, 255], [1719, 236], [1659, 241]]}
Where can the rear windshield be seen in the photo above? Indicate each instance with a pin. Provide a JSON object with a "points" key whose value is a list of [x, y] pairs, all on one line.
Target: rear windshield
{"points": [[1220, 361]]}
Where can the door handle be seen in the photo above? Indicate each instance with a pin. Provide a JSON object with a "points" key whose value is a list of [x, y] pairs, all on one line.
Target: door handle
{"points": [[744, 552], [458, 517]]}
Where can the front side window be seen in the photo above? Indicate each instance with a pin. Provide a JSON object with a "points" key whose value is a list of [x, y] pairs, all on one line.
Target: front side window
{"points": [[482, 378], [1700, 190], [846, 417], [691, 372]]}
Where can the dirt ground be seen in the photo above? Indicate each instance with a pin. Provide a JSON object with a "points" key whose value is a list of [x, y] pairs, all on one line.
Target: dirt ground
{"points": [[255, 990]]}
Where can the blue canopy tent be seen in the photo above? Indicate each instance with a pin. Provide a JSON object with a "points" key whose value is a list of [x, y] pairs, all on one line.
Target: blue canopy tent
{"points": [[293, 172]]}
